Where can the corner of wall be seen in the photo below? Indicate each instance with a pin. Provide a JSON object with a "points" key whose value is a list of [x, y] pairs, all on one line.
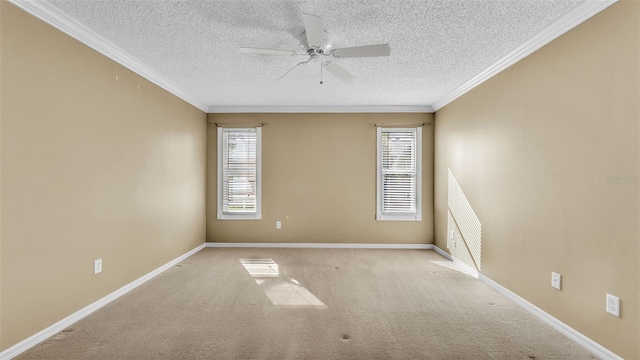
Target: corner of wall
{"points": [[1, 32], [294, 167], [439, 235], [130, 163], [555, 187]]}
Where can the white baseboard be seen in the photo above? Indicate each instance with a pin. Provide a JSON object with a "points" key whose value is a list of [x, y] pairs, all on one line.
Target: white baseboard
{"points": [[443, 253], [34, 340], [466, 268], [568, 331], [319, 245], [565, 329]]}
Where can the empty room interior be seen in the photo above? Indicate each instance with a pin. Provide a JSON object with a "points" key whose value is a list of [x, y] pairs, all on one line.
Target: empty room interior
{"points": [[320, 179]]}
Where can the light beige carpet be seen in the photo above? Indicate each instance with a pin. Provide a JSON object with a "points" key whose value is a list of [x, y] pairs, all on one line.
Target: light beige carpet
{"points": [[310, 304]]}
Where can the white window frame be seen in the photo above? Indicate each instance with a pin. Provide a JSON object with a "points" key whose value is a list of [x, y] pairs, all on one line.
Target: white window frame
{"points": [[380, 215], [257, 215]]}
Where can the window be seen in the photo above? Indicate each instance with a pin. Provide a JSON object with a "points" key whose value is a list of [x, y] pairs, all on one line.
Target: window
{"points": [[399, 170], [239, 173]]}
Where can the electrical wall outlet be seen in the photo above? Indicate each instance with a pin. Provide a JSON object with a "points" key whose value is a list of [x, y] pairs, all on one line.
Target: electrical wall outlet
{"points": [[97, 266], [613, 305], [556, 280], [278, 224]]}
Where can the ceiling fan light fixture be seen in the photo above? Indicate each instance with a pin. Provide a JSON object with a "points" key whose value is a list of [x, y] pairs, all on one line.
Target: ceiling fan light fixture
{"points": [[325, 48], [316, 44]]}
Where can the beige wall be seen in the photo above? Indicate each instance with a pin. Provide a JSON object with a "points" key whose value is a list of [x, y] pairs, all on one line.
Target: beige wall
{"points": [[534, 150], [96, 163], [1, 177], [98, 167], [318, 178]]}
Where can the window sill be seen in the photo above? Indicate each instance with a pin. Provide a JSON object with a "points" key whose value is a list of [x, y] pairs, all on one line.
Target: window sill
{"points": [[239, 216], [398, 218]]}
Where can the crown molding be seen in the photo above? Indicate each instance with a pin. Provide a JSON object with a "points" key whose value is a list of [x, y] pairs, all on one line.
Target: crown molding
{"points": [[63, 22], [321, 109], [54, 17], [568, 21]]}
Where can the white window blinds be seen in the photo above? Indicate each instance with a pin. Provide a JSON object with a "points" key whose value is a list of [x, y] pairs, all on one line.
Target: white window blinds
{"points": [[239, 173], [399, 174]]}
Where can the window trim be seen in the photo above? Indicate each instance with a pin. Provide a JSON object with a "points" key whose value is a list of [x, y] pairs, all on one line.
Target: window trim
{"points": [[258, 213], [379, 214]]}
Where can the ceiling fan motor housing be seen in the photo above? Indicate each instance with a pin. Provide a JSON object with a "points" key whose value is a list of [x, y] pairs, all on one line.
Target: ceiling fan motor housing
{"points": [[324, 49]]}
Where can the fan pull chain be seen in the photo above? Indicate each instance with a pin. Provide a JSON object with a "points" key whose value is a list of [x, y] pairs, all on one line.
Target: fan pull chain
{"points": [[321, 66]]}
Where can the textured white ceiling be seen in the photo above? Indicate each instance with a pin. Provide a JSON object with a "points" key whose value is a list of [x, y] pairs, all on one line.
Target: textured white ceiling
{"points": [[436, 45]]}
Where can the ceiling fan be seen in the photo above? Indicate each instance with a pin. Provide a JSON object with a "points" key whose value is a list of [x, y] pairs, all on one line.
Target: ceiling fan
{"points": [[316, 45]]}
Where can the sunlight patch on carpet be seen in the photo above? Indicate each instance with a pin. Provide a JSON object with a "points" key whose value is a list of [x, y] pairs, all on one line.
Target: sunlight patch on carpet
{"points": [[261, 267], [280, 288], [290, 294], [458, 266]]}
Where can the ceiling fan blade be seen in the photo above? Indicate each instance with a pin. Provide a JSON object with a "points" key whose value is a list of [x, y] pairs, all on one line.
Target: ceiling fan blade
{"points": [[339, 72], [362, 51], [314, 27], [294, 71], [266, 51]]}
